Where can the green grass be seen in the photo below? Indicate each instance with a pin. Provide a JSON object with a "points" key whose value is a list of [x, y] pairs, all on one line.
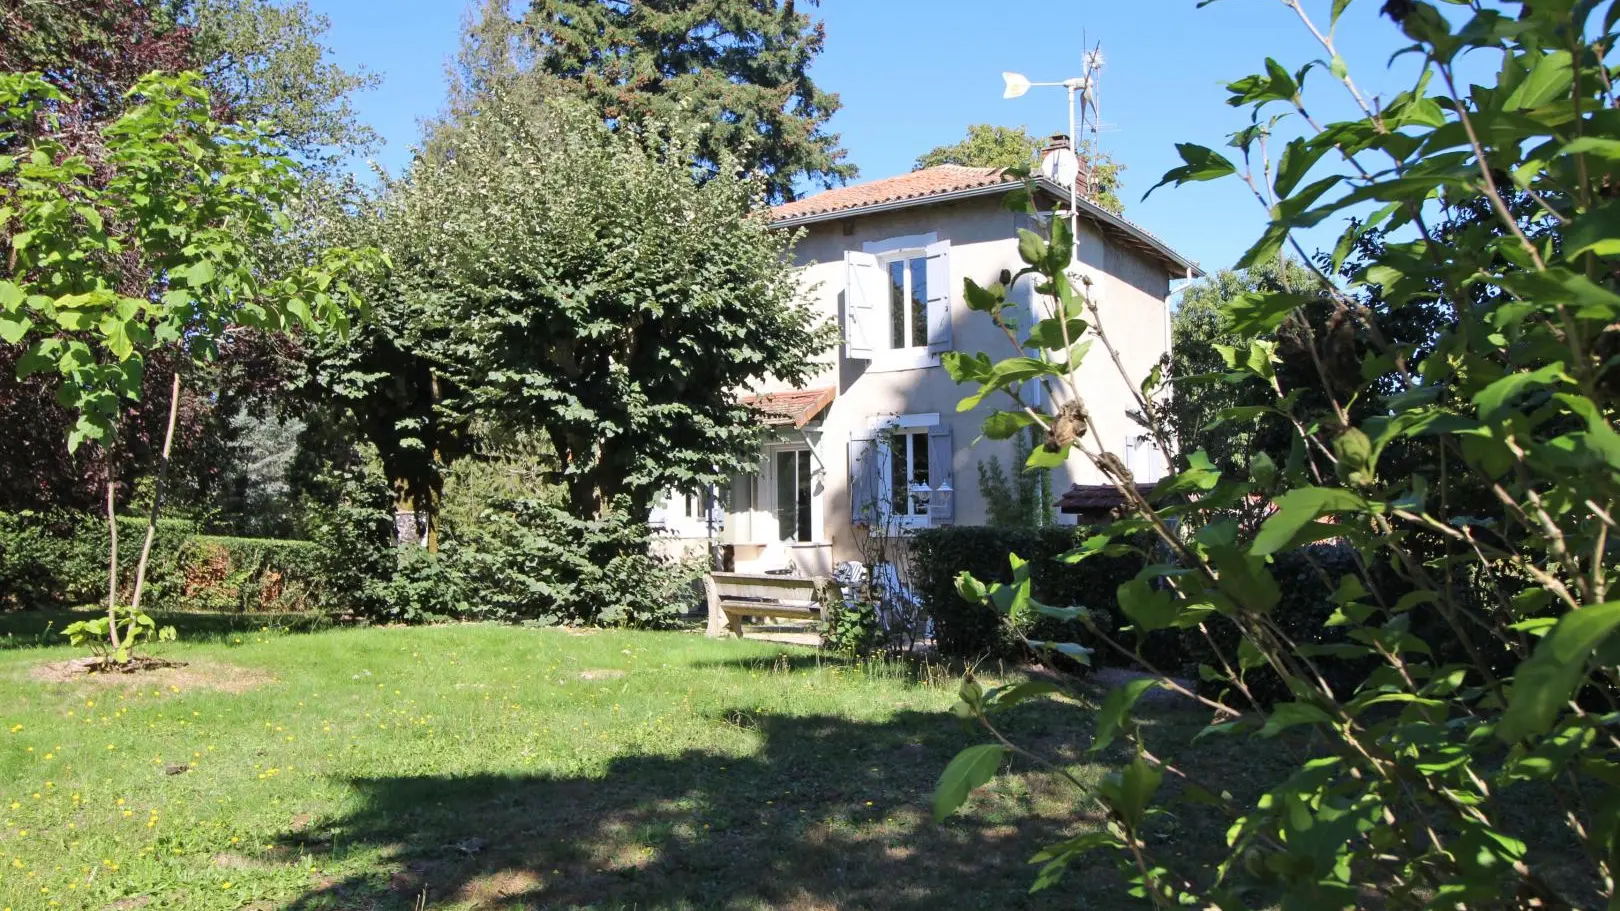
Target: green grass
{"points": [[500, 767]]}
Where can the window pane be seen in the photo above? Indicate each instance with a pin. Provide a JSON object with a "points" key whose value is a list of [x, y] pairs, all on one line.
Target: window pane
{"points": [[919, 470], [919, 301], [786, 483], [802, 500], [897, 304], [899, 497]]}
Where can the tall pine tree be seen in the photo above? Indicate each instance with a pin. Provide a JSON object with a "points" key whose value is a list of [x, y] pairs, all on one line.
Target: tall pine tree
{"points": [[736, 71]]}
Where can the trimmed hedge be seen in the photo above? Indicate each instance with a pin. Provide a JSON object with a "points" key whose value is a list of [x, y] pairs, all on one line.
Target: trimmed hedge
{"points": [[61, 558], [964, 630], [1306, 578]]}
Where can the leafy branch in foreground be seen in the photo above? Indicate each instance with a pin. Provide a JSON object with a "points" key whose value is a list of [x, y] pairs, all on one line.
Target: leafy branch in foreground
{"points": [[1471, 479]]}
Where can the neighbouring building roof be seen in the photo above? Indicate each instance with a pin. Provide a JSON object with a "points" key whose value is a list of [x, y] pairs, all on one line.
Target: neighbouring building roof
{"points": [[1085, 498], [945, 183], [793, 408]]}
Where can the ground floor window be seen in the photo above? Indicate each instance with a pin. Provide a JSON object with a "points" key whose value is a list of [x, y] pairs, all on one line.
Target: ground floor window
{"points": [[793, 499], [908, 469]]}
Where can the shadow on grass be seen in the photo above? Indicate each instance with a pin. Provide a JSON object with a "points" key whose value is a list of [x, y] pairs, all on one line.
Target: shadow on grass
{"points": [[43, 627], [828, 814]]}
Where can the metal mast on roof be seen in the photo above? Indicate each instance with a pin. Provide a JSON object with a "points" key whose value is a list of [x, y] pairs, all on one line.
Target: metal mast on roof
{"points": [[1083, 89]]}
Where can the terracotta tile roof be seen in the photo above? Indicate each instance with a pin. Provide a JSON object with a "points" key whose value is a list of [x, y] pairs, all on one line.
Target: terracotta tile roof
{"points": [[919, 186], [795, 407], [947, 178], [1095, 497]]}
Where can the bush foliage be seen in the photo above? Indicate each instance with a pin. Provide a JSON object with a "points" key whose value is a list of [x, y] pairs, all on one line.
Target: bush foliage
{"points": [[519, 560], [61, 558], [1449, 412], [972, 630]]}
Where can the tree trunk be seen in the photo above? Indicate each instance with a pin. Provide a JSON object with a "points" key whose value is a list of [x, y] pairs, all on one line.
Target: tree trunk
{"points": [[157, 494], [433, 516], [112, 552], [436, 482]]}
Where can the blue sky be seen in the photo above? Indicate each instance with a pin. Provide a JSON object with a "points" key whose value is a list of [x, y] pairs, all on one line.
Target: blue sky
{"points": [[912, 74]]}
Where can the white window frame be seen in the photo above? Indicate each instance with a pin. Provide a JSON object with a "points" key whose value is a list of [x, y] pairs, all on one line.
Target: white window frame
{"points": [[914, 357], [672, 516], [1144, 460], [886, 262], [886, 429], [766, 499]]}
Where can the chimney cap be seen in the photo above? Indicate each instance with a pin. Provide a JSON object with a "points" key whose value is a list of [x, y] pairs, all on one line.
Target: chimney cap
{"points": [[1056, 141]]}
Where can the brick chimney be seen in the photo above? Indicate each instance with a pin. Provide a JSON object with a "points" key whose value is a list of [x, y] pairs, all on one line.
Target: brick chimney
{"points": [[1053, 165]]}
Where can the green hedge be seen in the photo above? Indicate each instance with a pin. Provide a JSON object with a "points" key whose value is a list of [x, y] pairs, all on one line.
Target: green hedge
{"points": [[1307, 579], [61, 558], [964, 630]]}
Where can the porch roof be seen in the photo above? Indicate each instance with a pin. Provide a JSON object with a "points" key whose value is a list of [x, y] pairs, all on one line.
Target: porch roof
{"points": [[1084, 498], [793, 407]]}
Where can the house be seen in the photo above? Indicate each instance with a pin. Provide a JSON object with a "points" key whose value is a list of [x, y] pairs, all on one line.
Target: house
{"points": [[876, 441]]}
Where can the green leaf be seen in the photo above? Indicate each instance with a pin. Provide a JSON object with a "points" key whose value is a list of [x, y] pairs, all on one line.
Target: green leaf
{"points": [[1338, 10], [1548, 679], [1116, 710], [1266, 248], [197, 274], [1147, 607], [1073, 650], [1129, 790], [1593, 145], [11, 296], [1005, 697], [1596, 232], [1201, 164], [1004, 425], [1297, 159], [984, 300], [13, 327], [1031, 247], [1285, 715], [1261, 312], [1495, 398], [1297, 509], [971, 768], [1548, 80]]}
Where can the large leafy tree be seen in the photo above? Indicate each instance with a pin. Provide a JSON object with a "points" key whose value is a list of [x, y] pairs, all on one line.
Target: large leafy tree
{"points": [[989, 146], [1202, 391], [266, 62], [556, 276], [737, 71], [151, 250], [261, 62]]}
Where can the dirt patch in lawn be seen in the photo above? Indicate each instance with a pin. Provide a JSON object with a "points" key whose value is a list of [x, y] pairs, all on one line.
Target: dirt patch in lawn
{"points": [[226, 678], [503, 886]]}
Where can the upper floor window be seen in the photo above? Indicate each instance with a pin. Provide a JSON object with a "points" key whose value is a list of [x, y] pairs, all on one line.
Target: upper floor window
{"points": [[908, 301], [897, 305]]}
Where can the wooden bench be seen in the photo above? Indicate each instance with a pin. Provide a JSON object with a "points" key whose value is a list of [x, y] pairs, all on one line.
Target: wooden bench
{"points": [[733, 596]]}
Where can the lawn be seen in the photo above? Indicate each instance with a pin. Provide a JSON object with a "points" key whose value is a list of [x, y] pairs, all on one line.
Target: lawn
{"points": [[500, 767]]}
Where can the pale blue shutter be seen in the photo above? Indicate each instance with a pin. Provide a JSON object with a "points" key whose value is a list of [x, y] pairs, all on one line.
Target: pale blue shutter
{"points": [[942, 502], [863, 478], [940, 293]]}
